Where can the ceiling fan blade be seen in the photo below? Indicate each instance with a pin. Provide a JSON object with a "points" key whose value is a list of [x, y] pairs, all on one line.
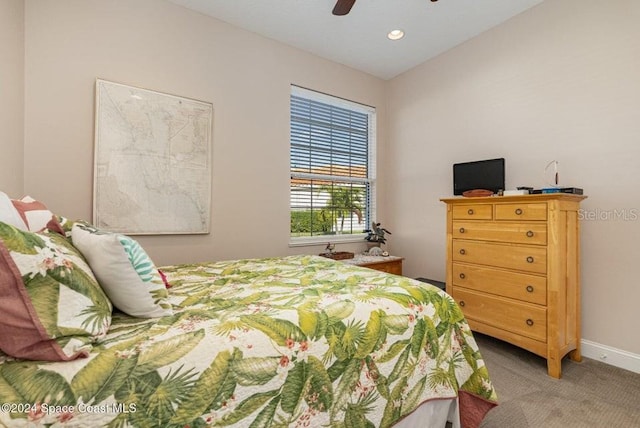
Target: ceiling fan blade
{"points": [[343, 7]]}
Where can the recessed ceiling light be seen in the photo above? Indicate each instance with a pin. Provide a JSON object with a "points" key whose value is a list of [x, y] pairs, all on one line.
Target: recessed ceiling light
{"points": [[395, 34]]}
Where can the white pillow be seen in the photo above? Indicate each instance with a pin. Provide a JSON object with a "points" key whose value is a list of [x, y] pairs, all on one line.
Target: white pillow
{"points": [[9, 214], [125, 272]]}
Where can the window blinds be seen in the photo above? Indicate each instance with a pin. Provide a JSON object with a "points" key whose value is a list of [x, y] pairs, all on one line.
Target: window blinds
{"points": [[332, 172]]}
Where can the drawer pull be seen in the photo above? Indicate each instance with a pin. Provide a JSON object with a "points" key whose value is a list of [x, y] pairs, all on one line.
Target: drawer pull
{"points": [[462, 230], [529, 259], [463, 276], [462, 251], [530, 233], [461, 302], [470, 211], [529, 322], [518, 211], [530, 288]]}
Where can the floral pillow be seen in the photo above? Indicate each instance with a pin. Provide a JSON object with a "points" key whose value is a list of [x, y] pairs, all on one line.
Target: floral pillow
{"points": [[66, 225], [124, 270], [51, 304]]}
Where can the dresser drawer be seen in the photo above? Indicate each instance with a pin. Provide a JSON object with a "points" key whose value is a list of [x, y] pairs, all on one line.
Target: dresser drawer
{"points": [[520, 286], [517, 317], [473, 212], [525, 258], [517, 233], [521, 211]]}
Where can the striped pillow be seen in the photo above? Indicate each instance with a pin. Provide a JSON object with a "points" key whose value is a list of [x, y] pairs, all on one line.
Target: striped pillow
{"points": [[124, 270]]}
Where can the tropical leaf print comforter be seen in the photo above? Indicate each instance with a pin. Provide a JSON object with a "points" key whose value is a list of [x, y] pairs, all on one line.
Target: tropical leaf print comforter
{"points": [[299, 341]]}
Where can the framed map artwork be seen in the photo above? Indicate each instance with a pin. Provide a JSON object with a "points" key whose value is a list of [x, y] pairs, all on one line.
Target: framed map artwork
{"points": [[152, 172]]}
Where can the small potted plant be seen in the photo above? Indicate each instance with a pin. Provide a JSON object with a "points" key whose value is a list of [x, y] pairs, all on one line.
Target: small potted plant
{"points": [[376, 237]]}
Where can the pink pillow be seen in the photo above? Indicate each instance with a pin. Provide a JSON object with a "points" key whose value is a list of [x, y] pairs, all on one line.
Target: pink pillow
{"points": [[36, 215]]}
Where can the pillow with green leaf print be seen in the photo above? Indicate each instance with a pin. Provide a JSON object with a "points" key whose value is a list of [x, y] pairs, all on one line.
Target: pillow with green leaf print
{"points": [[124, 270], [51, 305]]}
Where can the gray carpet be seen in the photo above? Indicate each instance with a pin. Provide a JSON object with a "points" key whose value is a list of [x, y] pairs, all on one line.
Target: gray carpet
{"points": [[589, 394]]}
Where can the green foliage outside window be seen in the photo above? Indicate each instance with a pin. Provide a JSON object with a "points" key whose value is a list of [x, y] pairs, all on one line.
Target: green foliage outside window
{"points": [[304, 223]]}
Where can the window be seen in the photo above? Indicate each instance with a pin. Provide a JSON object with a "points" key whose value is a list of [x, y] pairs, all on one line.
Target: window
{"points": [[332, 168]]}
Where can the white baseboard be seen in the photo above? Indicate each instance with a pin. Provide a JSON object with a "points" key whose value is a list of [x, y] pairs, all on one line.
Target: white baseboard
{"points": [[608, 355]]}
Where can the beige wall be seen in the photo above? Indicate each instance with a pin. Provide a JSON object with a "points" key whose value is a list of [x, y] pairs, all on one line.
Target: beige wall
{"points": [[557, 82], [161, 46], [560, 81], [11, 96]]}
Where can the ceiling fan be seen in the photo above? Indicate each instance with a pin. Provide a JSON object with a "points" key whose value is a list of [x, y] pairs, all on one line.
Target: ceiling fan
{"points": [[343, 7]]}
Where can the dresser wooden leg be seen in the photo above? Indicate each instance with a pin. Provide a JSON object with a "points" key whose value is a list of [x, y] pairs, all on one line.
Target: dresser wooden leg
{"points": [[554, 367], [576, 355]]}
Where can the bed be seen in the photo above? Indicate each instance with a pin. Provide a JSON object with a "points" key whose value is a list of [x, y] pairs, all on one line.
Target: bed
{"points": [[93, 334], [299, 341]]}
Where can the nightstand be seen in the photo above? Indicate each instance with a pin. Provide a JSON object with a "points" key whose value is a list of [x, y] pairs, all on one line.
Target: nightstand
{"points": [[389, 264]]}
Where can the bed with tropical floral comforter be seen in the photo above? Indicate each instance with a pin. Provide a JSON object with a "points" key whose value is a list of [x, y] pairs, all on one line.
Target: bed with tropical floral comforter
{"points": [[299, 341]]}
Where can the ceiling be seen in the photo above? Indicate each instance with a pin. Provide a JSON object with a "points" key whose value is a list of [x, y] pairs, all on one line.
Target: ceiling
{"points": [[359, 39]]}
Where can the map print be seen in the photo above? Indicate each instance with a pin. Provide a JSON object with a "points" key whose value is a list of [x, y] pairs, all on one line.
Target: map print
{"points": [[152, 162]]}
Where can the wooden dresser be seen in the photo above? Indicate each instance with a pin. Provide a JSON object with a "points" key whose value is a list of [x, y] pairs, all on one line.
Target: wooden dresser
{"points": [[513, 266]]}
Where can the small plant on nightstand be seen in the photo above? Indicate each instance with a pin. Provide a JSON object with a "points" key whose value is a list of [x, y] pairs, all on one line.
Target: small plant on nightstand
{"points": [[376, 233], [376, 237]]}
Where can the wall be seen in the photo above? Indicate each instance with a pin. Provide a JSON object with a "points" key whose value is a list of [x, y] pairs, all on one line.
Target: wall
{"points": [[164, 47], [11, 96], [559, 81]]}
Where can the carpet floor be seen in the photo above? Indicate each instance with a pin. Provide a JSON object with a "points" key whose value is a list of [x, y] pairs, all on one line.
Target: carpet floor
{"points": [[590, 394]]}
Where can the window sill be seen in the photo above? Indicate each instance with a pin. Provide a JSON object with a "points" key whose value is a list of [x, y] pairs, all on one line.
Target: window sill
{"points": [[323, 240]]}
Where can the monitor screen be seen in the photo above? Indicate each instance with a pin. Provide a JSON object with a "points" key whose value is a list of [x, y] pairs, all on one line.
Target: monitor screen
{"points": [[485, 174]]}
